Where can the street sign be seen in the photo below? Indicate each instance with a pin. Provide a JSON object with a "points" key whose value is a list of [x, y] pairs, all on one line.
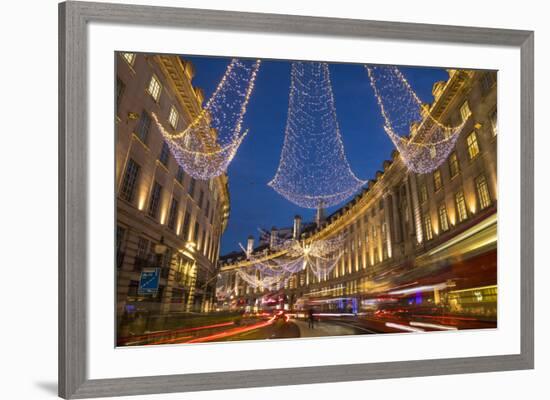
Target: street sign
{"points": [[149, 281]]}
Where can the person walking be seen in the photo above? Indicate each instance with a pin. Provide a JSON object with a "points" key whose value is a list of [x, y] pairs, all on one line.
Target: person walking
{"points": [[311, 319]]}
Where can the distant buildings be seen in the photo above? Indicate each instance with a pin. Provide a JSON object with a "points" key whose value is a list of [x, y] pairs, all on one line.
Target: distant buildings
{"points": [[164, 218], [435, 229]]}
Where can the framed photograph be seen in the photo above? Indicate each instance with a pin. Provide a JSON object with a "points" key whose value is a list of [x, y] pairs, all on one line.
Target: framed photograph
{"points": [[254, 200]]}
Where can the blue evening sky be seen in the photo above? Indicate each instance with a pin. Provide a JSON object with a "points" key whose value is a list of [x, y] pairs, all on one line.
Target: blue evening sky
{"points": [[254, 204]]}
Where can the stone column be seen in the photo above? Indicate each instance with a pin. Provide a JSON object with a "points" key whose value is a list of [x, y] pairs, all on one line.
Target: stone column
{"points": [[389, 228], [417, 221], [396, 218]]}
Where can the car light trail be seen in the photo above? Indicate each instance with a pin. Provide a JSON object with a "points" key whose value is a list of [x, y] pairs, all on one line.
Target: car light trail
{"points": [[233, 332], [404, 327], [137, 339], [434, 326]]}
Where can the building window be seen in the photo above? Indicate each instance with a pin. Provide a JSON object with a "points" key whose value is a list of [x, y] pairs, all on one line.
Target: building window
{"points": [[130, 58], [142, 248], [186, 225], [129, 182], [494, 125], [460, 206], [154, 88], [143, 126], [465, 111], [483, 192], [473, 147], [487, 81], [196, 234], [164, 154], [454, 166], [179, 174], [192, 187], [437, 180], [120, 86], [428, 227], [423, 194], [201, 198], [443, 218], [173, 117], [155, 200], [172, 216]]}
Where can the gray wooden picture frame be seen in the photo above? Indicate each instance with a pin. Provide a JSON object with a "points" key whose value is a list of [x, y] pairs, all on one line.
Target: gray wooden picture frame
{"points": [[73, 196]]}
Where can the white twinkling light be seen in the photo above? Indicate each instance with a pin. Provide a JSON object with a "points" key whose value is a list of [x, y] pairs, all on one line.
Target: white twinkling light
{"points": [[321, 256], [313, 168], [423, 142], [205, 147]]}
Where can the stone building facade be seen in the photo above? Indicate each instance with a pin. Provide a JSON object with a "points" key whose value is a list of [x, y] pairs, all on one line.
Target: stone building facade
{"points": [[164, 218], [406, 228]]}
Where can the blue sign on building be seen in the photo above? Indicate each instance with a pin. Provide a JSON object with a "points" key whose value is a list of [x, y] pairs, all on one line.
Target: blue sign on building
{"points": [[149, 281]]}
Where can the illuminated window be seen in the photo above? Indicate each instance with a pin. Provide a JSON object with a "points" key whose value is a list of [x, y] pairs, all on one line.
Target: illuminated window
{"points": [[443, 218], [494, 125], [460, 206], [437, 180], [164, 154], [172, 216], [473, 147], [173, 117], [143, 126], [129, 182], [423, 194], [483, 192], [129, 57], [154, 202], [154, 88], [454, 167], [428, 227], [465, 111]]}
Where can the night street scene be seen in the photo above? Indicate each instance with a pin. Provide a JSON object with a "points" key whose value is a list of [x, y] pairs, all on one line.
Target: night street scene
{"points": [[279, 199]]}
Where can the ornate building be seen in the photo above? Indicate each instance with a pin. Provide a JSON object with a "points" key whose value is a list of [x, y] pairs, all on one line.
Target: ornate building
{"points": [[436, 230], [165, 218]]}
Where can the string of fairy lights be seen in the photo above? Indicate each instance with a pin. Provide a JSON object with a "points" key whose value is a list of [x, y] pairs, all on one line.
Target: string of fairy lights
{"points": [[313, 167], [313, 170], [209, 143], [320, 256], [423, 142]]}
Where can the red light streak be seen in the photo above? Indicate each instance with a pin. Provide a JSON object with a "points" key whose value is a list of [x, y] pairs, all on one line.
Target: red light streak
{"points": [[233, 332], [164, 333]]}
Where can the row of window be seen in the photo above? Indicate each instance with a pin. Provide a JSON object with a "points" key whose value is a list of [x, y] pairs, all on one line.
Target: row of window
{"points": [[127, 192]]}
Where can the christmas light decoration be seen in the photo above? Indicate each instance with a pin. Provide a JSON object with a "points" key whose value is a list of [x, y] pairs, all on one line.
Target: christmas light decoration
{"points": [[321, 256], [205, 147], [423, 142], [313, 168]]}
